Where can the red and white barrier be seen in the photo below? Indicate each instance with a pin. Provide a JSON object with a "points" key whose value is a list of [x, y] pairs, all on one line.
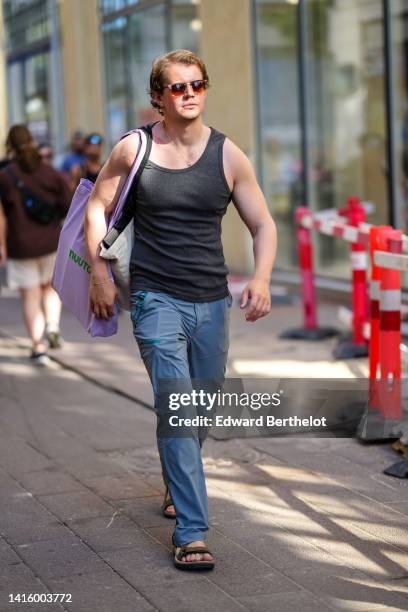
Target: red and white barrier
{"points": [[374, 350], [331, 223], [357, 233], [385, 396], [387, 247], [350, 225], [310, 329]]}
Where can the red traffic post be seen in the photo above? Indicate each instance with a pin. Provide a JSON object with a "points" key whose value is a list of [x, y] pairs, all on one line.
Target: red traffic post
{"points": [[310, 330], [374, 345], [358, 345], [372, 428], [390, 329]]}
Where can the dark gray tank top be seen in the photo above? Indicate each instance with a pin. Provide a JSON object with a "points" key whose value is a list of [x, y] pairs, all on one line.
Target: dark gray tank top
{"points": [[177, 222]]}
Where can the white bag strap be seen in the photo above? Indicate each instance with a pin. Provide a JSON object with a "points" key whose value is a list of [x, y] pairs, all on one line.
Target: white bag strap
{"points": [[135, 167]]}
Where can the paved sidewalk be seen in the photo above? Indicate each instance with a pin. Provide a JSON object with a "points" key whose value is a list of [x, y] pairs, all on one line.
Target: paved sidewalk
{"points": [[307, 524], [255, 349]]}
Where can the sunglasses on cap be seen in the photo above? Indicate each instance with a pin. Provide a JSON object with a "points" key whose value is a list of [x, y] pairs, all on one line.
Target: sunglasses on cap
{"points": [[179, 89], [94, 139]]}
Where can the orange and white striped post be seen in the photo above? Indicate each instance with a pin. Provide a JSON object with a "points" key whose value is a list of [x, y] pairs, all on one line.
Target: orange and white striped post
{"points": [[374, 310], [390, 240], [374, 345], [357, 215], [373, 426]]}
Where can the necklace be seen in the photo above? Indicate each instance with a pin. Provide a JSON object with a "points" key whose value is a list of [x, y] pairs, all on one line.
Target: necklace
{"points": [[186, 161]]}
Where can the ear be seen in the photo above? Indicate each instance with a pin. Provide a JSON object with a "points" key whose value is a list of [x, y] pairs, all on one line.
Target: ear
{"points": [[158, 98]]}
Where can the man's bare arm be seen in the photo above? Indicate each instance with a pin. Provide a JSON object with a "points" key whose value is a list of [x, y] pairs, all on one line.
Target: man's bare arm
{"points": [[103, 200], [252, 208]]}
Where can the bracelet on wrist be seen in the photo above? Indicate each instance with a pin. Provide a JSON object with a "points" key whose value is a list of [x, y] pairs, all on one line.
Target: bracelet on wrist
{"points": [[103, 282]]}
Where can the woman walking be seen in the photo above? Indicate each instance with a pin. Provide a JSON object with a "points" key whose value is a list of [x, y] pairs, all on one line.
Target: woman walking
{"points": [[34, 198]]}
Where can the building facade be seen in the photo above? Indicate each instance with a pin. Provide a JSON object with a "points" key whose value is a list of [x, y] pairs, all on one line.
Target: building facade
{"points": [[314, 92]]}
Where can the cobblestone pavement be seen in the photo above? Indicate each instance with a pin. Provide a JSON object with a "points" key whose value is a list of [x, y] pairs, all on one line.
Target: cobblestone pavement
{"points": [[296, 523]]}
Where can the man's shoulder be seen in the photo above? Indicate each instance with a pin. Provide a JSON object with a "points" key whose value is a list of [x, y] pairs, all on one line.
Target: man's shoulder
{"points": [[124, 152], [233, 155], [237, 165]]}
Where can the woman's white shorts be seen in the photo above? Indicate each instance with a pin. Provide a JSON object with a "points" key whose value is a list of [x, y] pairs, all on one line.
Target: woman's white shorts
{"points": [[26, 273]]}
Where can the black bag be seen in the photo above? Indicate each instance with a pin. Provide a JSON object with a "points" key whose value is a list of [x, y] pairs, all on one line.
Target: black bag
{"points": [[37, 208]]}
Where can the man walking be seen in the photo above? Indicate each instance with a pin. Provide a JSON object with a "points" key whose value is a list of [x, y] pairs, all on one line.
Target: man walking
{"points": [[179, 293]]}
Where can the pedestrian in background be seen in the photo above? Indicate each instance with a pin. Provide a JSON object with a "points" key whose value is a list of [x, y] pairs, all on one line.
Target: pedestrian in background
{"points": [[92, 164], [76, 154], [47, 157], [34, 198], [46, 153]]}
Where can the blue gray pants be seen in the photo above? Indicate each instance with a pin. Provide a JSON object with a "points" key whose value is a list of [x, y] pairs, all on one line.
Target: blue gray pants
{"points": [[182, 340]]}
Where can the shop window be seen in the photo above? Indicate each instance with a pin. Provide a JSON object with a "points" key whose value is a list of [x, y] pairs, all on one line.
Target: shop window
{"points": [[278, 117], [28, 94], [345, 67], [131, 41]]}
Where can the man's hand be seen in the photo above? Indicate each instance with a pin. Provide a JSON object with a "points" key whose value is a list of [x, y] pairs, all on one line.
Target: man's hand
{"points": [[256, 297], [102, 295]]}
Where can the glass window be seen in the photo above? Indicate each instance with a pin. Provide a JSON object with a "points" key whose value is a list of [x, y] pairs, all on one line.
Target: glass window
{"points": [[131, 43], [146, 41], [26, 21], [185, 25], [15, 92], [111, 6], [279, 130], [117, 92], [36, 96], [345, 54], [400, 58], [28, 94]]}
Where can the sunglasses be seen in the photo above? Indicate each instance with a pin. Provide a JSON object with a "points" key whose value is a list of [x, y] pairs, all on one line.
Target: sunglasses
{"points": [[179, 89]]}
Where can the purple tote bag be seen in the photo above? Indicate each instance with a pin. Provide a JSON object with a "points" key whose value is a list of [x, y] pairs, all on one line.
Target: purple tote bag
{"points": [[72, 272]]}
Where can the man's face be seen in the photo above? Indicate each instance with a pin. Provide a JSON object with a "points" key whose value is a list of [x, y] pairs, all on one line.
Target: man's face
{"points": [[188, 106]]}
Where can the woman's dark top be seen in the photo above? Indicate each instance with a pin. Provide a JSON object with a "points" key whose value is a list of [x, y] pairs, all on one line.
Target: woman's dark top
{"points": [[26, 238]]}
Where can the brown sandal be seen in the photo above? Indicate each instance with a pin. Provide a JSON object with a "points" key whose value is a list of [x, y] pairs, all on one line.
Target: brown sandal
{"points": [[166, 503], [182, 551]]}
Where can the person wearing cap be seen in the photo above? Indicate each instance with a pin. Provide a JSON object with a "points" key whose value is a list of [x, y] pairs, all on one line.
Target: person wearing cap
{"points": [[92, 163], [76, 154]]}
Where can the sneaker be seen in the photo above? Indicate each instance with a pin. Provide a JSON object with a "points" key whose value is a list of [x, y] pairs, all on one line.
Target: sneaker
{"points": [[54, 339], [40, 358]]}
